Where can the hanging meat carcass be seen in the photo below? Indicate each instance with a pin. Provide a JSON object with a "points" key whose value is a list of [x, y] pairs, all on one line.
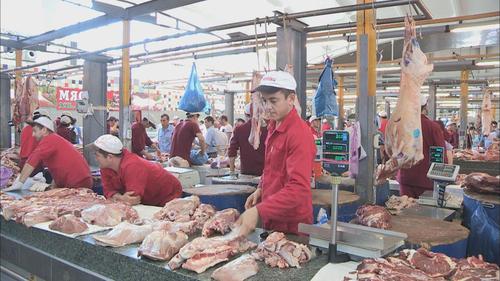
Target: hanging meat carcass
{"points": [[486, 113], [25, 100], [403, 136], [257, 112]]}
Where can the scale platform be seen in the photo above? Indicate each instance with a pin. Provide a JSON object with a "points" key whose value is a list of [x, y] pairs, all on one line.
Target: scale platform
{"points": [[429, 211], [356, 240]]}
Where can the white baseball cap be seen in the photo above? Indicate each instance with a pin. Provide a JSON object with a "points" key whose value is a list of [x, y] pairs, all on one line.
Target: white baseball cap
{"points": [[44, 121], [312, 118], [65, 120], [276, 80], [109, 143], [423, 100]]}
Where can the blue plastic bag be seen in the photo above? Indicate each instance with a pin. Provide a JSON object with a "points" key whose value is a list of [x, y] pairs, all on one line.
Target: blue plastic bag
{"points": [[325, 99], [193, 99], [197, 158], [484, 236]]}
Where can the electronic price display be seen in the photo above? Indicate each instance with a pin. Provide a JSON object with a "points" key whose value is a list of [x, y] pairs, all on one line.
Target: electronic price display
{"points": [[443, 172], [436, 154], [336, 152]]}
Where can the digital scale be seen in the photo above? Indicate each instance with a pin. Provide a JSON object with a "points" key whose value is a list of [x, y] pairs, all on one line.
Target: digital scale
{"points": [[442, 175], [187, 177], [436, 154], [345, 238]]}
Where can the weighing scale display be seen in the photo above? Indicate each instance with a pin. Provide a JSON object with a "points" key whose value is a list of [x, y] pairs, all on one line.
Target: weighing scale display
{"points": [[336, 152], [443, 172], [437, 154], [337, 157], [319, 148]]}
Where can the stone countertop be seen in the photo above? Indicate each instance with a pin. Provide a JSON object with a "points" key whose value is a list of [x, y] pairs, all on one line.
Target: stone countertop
{"points": [[123, 264]]}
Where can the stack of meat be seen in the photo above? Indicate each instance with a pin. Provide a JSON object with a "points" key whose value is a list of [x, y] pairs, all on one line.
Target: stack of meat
{"points": [[400, 202], [419, 265], [237, 270], [9, 169], [460, 179], [55, 203], [403, 134], [492, 154], [277, 251], [373, 216], [482, 183]]}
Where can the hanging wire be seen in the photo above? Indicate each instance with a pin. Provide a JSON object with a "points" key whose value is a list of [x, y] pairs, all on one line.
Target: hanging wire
{"points": [[256, 43], [267, 45], [375, 26]]}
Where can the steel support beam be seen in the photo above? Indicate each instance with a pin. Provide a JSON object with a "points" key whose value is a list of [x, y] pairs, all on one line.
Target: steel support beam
{"points": [[291, 50], [366, 100], [464, 96], [229, 105], [340, 124], [125, 98], [431, 103], [5, 114], [95, 76]]}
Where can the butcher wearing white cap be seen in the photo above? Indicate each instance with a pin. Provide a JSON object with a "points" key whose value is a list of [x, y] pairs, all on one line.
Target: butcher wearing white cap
{"points": [[126, 177], [66, 165], [28, 142], [413, 181], [283, 198]]}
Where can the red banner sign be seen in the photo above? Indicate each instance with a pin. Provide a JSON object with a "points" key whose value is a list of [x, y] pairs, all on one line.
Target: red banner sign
{"points": [[67, 97]]}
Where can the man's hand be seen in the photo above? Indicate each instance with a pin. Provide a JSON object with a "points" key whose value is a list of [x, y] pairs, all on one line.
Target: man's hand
{"points": [[253, 199], [17, 185], [247, 222], [128, 197]]}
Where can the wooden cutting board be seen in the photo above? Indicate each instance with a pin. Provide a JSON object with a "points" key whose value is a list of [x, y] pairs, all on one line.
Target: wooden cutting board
{"points": [[220, 189], [324, 197]]}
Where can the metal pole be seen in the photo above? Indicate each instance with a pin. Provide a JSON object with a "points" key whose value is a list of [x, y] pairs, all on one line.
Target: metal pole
{"points": [[366, 100], [431, 103], [464, 96], [125, 133], [18, 75], [5, 114], [340, 124], [229, 102]]}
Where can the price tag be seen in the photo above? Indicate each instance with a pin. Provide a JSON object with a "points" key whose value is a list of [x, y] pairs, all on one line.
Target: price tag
{"points": [[336, 180]]}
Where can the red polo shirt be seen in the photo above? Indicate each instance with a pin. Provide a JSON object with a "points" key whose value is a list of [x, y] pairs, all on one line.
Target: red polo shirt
{"points": [[413, 181], [140, 138], [28, 143], [66, 165], [155, 185], [286, 181], [252, 161], [182, 140]]}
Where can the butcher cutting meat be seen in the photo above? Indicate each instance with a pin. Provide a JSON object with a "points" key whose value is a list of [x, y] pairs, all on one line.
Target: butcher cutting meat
{"points": [[283, 199], [129, 178], [55, 153]]}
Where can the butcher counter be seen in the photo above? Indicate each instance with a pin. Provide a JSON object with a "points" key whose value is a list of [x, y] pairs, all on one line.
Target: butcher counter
{"points": [[51, 256]]}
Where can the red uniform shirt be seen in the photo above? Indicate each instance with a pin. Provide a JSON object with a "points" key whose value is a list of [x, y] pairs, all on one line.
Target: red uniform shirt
{"points": [[286, 181], [66, 133], [182, 140], [252, 161], [28, 142], [383, 125], [315, 133], [140, 138], [413, 181], [66, 165], [155, 185]]}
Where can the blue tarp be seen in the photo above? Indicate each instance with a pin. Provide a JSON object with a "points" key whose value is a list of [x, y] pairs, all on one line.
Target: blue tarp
{"points": [[193, 99], [484, 236], [325, 99]]}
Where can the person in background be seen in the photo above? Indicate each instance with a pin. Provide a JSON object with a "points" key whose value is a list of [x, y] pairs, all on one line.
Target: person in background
{"points": [[453, 131], [65, 131], [215, 139], [315, 123], [175, 121], [283, 198], [140, 139], [448, 147], [383, 122], [251, 159], [239, 122], [413, 181], [225, 127], [184, 134], [165, 134], [203, 127], [112, 126], [472, 137], [129, 178], [493, 130], [325, 126], [66, 165]]}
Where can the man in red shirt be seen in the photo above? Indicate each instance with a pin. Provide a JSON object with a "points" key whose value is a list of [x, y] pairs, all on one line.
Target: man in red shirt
{"points": [[64, 131], [66, 165], [283, 199], [184, 134], [413, 181], [315, 126], [28, 141], [132, 179], [140, 139], [252, 161]]}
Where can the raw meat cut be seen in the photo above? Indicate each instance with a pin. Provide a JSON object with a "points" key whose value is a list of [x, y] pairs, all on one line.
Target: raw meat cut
{"points": [[374, 216], [472, 269], [237, 270], [403, 135], [482, 183], [124, 234], [492, 154], [203, 213], [172, 227], [109, 214], [162, 244], [460, 179], [221, 222], [180, 209], [277, 251], [486, 113], [38, 216], [433, 264], [202, 252], [68, 224], [400, 202], [258, 113]]}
